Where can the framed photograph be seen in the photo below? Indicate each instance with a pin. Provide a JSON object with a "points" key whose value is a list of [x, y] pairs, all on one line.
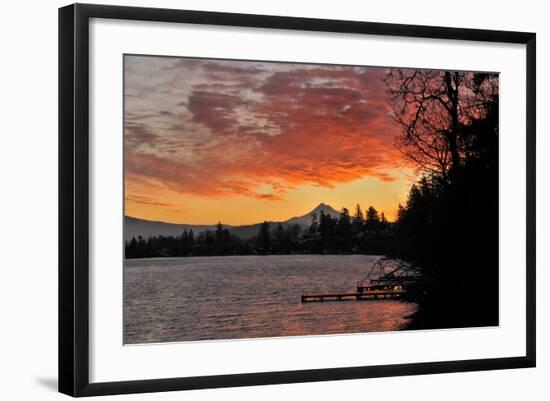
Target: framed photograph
{"points": [[251, 199]]}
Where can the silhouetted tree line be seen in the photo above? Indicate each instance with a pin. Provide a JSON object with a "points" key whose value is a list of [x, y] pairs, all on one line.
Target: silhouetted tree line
{"points": [[369, 233], [205, 243], [361, 233], [449, 225]]}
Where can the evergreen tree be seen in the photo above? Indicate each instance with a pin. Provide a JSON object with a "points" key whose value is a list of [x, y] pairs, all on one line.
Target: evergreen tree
{"points": [[384, 225], [327, 233], [279, 239], [264, 238], [344, 230], [314, 226], [358, 219], [313, 242], [358, 224], [372, 222], [294, 234]]}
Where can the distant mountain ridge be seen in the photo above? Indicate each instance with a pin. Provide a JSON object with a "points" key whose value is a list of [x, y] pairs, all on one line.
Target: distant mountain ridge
{"points": [[305, 220], [135, 227]]}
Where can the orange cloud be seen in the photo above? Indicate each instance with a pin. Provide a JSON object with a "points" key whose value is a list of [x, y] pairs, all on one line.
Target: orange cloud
{"points": [[224, 128]]}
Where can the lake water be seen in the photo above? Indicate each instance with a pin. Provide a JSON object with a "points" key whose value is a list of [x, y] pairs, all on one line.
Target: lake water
{"points": [[230, 297]]}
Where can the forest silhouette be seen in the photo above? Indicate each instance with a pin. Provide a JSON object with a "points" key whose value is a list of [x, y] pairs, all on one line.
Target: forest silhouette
{"points": [[367, 234]]}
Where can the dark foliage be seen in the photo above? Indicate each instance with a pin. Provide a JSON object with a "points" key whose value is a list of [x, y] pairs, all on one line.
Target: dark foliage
{"points": [[449, 226]]}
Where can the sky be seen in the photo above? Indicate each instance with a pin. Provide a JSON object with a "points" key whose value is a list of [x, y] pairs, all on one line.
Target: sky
{"points": [[240, 142]]}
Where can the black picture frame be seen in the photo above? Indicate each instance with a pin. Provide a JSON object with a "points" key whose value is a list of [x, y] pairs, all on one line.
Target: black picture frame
{"points": [[74, 198]]}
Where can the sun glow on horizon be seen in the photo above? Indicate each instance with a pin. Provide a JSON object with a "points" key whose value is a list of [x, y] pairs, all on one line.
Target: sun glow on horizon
{"points": [[242, 210]]}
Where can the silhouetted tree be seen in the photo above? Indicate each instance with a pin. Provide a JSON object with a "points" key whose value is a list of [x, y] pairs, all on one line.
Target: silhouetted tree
{"points": [[279, 242], [344, 231], [449, 225], [294, 238], [358, 222], [313, 238], [372, 221], [432, 107], [383, 221], [264, 238]]}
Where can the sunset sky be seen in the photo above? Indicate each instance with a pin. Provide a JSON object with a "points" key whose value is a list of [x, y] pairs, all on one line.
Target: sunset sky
{"points": [[243, 142]]}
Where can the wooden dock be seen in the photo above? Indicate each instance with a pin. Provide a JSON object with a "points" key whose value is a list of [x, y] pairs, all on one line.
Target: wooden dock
{"points": [[378, 284], [353, 296]]}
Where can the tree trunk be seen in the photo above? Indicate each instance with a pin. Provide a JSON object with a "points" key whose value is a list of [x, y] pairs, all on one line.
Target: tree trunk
{"points": [[452, 135]]}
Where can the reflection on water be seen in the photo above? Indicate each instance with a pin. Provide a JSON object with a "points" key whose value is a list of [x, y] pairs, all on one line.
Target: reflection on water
{"points": [[229, 297]]}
